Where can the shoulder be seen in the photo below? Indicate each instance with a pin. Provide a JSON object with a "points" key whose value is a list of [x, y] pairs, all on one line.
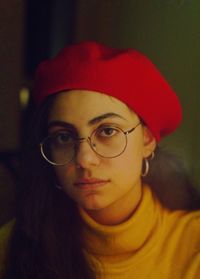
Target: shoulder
{"points": [[188, 227], [185, 225], [179, 242], [188, 221], [6, 230], [193, 268], [5, 234], [191, 227]]}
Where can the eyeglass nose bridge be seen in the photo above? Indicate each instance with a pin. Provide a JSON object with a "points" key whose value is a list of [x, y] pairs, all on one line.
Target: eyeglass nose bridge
{"points": [[88, 139]]}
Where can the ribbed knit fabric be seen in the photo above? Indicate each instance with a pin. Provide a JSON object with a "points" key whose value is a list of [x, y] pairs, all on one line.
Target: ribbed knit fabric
{"points": [[154, 243]]}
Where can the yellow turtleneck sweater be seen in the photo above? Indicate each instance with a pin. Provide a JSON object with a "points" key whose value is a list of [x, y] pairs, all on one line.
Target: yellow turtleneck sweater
{"points": [[154, 243]]}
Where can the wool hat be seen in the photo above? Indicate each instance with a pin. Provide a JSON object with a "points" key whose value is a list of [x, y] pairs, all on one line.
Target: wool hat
{"points": [[125, 74]]}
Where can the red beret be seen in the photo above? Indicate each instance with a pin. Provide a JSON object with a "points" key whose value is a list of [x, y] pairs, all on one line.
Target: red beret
{"points": [[125, 74]]}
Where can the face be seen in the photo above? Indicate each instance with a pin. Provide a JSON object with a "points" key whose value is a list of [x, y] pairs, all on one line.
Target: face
{"points": [[93, 182]]}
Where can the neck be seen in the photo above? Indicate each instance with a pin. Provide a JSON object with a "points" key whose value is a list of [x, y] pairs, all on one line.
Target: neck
{"points": [[120, 211]]}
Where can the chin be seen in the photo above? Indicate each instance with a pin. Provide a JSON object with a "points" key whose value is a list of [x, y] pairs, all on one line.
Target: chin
{"points": [[92, 204]]}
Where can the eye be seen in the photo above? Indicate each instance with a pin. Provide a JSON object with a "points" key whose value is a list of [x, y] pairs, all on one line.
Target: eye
{"points": [[108, 131], [63, 137]]}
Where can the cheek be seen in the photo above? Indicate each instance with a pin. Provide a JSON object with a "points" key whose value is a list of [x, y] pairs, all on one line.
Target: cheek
{"points": [[65, 178], [129, 164], [64, 174]]}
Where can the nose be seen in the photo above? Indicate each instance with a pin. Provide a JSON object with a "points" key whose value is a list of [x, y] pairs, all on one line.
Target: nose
{"points": [[85, 157]]}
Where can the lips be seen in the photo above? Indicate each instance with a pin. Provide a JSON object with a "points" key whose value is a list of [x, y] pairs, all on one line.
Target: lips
{"points": [[89, 183]]}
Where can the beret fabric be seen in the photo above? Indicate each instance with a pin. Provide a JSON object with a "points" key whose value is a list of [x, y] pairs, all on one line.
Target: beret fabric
{"points": [[125, 74]]}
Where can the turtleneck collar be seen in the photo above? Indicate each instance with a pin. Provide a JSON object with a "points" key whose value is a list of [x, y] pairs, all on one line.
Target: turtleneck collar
{"points": [[140, 230]]}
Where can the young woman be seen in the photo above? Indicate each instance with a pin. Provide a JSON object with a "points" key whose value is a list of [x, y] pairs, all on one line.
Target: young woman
{"points": [[100, 199]]}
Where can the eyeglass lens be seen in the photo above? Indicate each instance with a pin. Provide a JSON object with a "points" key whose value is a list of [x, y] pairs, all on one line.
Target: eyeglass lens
{"points": [[61, 147]]}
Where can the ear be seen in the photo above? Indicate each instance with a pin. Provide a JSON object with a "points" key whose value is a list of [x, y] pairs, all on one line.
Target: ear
{"points": [[149, 142]]}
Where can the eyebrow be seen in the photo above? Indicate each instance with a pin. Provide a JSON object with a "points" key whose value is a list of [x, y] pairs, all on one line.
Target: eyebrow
{"points": [[91, 122], [99, 118]]}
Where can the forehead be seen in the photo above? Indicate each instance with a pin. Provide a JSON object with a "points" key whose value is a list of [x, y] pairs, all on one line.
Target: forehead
{"points": [[83, 105]]}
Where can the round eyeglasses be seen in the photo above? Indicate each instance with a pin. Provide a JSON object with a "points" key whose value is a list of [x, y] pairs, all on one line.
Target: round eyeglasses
{"points": [[107, 141]]}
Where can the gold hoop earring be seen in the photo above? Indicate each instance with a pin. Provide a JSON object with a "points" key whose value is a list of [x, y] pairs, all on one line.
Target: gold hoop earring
{"points": [[151, 156], [146, 164]]}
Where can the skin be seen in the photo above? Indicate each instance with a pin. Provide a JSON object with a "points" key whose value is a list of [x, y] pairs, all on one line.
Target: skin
{"points": [[114, 200]]}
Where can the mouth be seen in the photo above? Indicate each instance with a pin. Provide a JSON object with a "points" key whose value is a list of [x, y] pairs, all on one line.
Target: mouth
{"points": [[90, 183]]}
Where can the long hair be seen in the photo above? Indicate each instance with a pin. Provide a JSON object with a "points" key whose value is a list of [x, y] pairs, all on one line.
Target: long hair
{"points": [[46, 241], [171, 182]]}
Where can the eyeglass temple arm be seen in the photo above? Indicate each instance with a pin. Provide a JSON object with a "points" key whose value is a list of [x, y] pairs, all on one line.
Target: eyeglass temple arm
{"points": [[131, 130]]}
